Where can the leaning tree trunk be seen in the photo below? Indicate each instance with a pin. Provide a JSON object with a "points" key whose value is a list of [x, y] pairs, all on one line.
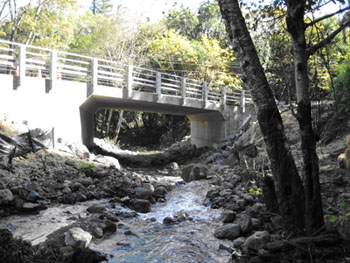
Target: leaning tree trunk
{"points": [[119, 125], [289, 188], [296, 28]]}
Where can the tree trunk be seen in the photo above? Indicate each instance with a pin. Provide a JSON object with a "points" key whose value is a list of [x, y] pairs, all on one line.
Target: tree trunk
{"points": [[296, 28], [108, 123], [119, 125], [289, 188]]}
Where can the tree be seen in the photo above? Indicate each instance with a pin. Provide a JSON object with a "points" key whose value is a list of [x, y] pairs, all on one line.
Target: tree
{"points": [[101, 6], [298, 205]]}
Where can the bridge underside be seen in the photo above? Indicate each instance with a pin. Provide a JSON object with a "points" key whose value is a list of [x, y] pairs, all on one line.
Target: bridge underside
{"points": [[207, 126]]}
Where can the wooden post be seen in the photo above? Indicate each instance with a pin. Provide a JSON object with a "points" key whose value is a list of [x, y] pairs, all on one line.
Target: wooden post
{"points": [[129, 82], [205, 94], [243, 100], [159, 85], [224, 97], [183, 90], [53, 70]]}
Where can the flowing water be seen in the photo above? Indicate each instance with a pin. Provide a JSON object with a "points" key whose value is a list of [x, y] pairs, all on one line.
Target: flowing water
{"points": [[143, 239]]}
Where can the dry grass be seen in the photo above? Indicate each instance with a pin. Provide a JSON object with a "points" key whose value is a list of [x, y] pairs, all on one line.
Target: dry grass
{"points": [[7, 129]]}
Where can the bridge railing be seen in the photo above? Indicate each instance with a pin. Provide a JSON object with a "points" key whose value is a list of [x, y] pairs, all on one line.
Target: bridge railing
{"points": [[30, 61]]}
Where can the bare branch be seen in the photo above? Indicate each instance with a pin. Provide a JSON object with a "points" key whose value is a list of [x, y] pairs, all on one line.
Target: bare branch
{"points": [[325, 17], [312, 50]]}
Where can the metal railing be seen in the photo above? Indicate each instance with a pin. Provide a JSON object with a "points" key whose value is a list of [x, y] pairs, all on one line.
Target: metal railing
{"points": [[30, 61]]}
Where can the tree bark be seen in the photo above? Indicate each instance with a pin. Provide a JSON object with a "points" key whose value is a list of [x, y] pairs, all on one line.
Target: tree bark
{"points": [[119, 125], [289, 188], [296, 26]]}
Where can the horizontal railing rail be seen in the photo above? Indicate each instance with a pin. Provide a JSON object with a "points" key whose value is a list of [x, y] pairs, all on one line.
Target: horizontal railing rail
{"points": [[31, 61]]}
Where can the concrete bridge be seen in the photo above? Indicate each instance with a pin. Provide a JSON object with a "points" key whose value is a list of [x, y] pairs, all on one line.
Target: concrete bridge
{"points": [[49, 88]]}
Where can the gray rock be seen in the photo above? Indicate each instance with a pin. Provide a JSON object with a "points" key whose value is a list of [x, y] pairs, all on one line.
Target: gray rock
{"points": [[143, 193], [256, 241], [31, 206], [95, 209], [238, 242], [256, 222], [79, 150], [194, 172], [97, 232], [228, 217], [249, 198], [229, 231], [108, 227], [168, 221], [68, 199], [6, 196], [140, 205], [77, 237], [160, 192], [246, 224], [109, 161]]}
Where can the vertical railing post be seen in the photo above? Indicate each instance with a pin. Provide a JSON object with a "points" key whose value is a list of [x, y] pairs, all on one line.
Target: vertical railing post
{"points": [[224, 97], [159, 85], [94, 76], [205, 94], [129, 82], [243, 100], [22, 66], [183, 90], [53, 70]]}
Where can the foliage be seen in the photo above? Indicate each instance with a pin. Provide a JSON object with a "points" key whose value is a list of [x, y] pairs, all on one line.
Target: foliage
{"points": [[342, 86], [87, 168]]}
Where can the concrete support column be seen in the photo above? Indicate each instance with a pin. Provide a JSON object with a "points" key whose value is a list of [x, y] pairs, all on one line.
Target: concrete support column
{"points": [[87, 127]]}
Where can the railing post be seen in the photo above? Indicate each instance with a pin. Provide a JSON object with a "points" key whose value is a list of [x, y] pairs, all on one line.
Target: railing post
{"points": [[129, 82], [243, 100], [205, 94], [94, 74], [159, 85], [53, 70], [224, 98], [22, 66], [183, 90]]}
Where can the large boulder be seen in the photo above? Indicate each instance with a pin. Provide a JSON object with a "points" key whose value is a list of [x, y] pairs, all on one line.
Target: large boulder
{"points": [[256, 241], [229, 231], [77, 237], [140, 205], [194, 172]]}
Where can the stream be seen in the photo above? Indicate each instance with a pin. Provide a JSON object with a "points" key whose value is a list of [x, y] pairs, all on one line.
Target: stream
{"points": [[144, 238]]}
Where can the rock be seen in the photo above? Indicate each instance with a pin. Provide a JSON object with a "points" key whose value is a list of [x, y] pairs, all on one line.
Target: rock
{"points": [[130, 233], [223, 247], [169, 221], [228, 217], [68, 198], [160, 192], [77, 237], [32, 207], [97, 232], [256, 241], [77, 187], [249, 198], [96, 209], [238, 242], [229, 231], [108, 161], [143, 193], [342, 161], [246, 224], [79, 150], [6, 196], [256, 209], [194, 172], [87, 256], [125, 199], [108, 227], [256, 223], [140, 205]]}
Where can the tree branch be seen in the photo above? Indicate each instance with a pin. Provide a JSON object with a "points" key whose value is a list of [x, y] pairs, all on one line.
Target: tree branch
{"points": [[325, 17], [312, 50]]}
